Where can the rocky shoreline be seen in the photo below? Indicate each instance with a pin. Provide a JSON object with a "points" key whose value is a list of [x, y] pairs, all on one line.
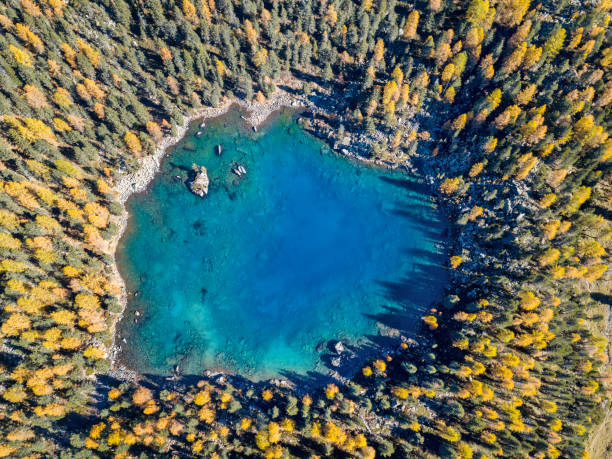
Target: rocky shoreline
{"points": [[257, 114]]}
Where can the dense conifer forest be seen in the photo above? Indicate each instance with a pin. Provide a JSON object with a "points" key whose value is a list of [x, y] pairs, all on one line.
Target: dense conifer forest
{"points": [[503, 106]]}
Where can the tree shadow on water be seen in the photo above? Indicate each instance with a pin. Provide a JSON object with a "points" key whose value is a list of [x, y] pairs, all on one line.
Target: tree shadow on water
{"points": [[404, 300], [418, 192], [415, 211], [410, 296], [408, 299], [408, 184]]}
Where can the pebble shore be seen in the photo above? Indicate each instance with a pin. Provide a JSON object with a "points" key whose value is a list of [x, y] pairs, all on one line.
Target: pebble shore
{"points": [[257, 114]]}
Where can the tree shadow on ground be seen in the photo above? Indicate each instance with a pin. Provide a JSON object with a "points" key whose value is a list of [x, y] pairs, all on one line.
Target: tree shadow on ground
{"points": [[602, 298]]}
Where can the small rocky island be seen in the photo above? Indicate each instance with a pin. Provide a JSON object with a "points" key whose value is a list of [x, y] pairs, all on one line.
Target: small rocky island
{"points": [[199, 185]]}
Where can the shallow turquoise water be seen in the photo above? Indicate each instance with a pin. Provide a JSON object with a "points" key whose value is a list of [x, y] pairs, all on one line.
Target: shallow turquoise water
{"points": [[306, 248]]}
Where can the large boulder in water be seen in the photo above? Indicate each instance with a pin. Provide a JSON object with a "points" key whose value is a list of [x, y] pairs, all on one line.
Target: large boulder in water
{"points": [[199, 185]]}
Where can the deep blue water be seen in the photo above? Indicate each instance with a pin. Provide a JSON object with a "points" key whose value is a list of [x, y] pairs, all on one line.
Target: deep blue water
{"points": [[306, 248]]}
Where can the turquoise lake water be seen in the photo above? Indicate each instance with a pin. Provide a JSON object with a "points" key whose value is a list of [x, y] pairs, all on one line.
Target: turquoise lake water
{"points": [[255, 278]]}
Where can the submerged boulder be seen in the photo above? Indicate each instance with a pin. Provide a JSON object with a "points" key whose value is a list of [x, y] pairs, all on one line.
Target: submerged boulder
{"points": [[199, 185]]}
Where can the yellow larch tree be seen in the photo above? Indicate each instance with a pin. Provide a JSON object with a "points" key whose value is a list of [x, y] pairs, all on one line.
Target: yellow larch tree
{"points": [[29, 37], [379, 51], [190, 12], [250, 32], [21, 56], [554, 44], [132, 142], [92, 55], [34, 97], [510, 13], [410, 27], [15, 324]]}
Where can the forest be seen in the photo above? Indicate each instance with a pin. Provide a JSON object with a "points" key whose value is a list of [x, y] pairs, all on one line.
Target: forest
{"points": [[503, 106]]}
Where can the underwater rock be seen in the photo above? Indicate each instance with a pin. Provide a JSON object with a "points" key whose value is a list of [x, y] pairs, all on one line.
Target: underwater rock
{"points": [[199, 227], [199, 185], [239, 170], [280, 382]]}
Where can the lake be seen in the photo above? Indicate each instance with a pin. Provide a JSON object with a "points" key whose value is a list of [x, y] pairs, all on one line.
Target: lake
{"points": [[257, 277]]}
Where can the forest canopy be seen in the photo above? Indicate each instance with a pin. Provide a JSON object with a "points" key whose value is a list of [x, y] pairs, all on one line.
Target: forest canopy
{"points": [[503, 107]]}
